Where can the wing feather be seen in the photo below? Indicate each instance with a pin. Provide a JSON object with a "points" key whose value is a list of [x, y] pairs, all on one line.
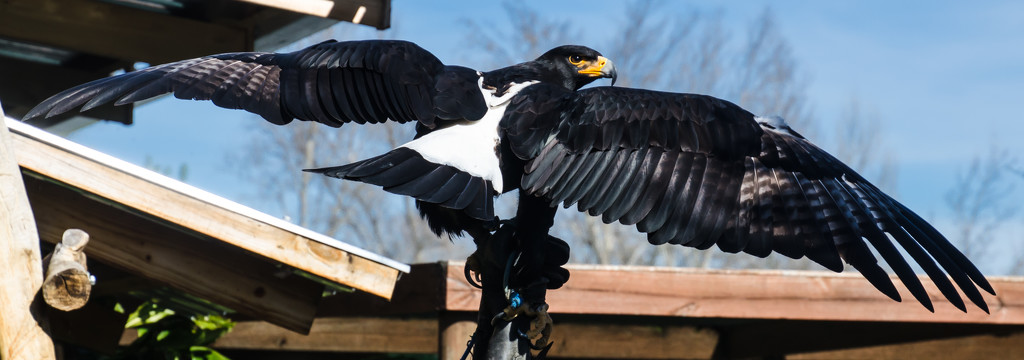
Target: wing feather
{"points": [[701, 213], [425, 185], [684, 204], [658, 216], [885, 247], [326, 96], [821, 248], [575, 173], [653, 192], [591, 200], [636, 186], [736, 240], [760, 243], [450, 189], [620, 183], [601, 160]]}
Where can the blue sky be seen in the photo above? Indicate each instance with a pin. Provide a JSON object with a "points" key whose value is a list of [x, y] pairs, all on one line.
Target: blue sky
{"points": [[946, 79]]}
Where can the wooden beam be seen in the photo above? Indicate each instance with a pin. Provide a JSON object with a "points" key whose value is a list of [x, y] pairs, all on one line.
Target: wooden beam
{"points": [[144, 192], [274, 29], [320, 8], [573, 339], [970, 347], [747, 294], [382, 335], [614, 338], [370, 12], [416, 293], [119, 32], [774, 338], [190, 262], [596, 341], [21, 337]]}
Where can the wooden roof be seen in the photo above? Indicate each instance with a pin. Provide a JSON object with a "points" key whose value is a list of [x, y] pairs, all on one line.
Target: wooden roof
{"points": [[173, 234], [51, 45], [614, 312]]}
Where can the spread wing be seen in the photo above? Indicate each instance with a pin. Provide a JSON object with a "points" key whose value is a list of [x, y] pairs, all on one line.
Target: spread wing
{"points": [[332, 83], [699, 171]]}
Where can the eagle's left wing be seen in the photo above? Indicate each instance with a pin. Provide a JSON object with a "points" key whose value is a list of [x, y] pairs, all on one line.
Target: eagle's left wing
{"points": [[332, 83], [698, 171]]}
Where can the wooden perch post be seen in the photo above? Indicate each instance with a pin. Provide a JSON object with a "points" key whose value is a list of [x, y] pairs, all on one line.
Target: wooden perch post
{"points": [[21, 337], [66, 285]]}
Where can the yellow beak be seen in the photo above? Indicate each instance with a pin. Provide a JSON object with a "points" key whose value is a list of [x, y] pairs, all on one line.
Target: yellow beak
{"points": [[602, 67]]}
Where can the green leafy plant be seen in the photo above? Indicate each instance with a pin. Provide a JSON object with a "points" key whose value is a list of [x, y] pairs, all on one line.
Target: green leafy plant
{"points": [[173, 335]]}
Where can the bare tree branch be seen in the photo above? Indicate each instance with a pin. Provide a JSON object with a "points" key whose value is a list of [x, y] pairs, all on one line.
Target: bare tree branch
{"points": [[859, 141], [981, 201]]}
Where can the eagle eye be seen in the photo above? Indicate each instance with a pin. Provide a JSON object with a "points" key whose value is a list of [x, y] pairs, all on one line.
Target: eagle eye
{"points": [[576, 60]]}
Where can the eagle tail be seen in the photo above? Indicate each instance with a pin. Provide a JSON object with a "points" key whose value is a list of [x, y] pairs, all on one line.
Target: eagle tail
{"points": [[403, 171]]}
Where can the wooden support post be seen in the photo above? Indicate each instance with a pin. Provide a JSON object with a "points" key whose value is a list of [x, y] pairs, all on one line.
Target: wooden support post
{"points": [[66, 285], [21, 337], [454, 332]]}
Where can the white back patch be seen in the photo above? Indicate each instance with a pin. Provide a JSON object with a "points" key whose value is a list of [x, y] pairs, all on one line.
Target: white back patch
{"points": [[471, 146]]}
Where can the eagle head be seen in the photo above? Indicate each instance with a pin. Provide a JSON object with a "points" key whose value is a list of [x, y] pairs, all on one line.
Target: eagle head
{"points": [[577, 66]]}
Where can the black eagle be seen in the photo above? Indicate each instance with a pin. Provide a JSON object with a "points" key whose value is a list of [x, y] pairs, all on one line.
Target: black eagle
{"points": [[686, 169]]}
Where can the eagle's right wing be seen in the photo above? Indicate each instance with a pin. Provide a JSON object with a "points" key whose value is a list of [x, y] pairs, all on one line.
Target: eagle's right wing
{"points": [[699, 171]]}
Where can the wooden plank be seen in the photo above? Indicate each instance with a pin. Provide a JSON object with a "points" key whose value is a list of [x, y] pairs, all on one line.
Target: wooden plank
{"points": [[416, 293], [803, 295], [384, 335], [275, 29], [773, 338], [114, 31], [603, 341], [143, 195], [21, 337], [1003, 346], [321, 8], [183, 260], [595, 340], [375, 13]]}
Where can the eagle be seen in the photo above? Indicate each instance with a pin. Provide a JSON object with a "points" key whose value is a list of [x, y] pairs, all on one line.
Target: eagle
{"points": [[685, 169]]}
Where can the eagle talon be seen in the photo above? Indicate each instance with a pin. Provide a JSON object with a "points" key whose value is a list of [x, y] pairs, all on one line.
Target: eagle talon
{"points": [[472, 271], [541, 325]]}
